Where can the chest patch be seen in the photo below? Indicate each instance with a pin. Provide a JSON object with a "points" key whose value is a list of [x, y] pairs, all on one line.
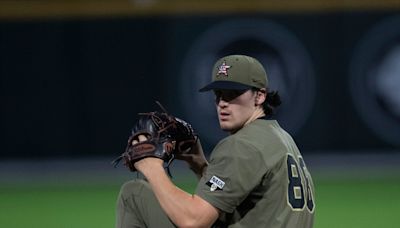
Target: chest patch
{"points": [[215, 183]]}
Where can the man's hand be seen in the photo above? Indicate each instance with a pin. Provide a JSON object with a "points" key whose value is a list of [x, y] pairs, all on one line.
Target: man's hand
{"points": [[195, 159], [146, 163]]}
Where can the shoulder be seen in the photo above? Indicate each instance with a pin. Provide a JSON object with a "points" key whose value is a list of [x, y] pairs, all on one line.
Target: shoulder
{"points": [[262, 139], [265, 135], [235, 147]]}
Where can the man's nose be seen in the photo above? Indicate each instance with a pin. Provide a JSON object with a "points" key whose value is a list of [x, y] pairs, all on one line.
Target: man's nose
{"points": [[222, 102]]}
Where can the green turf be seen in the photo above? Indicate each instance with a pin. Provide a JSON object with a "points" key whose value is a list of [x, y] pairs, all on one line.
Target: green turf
{"points": [[340, 203], [356, 203], [50, 207]]}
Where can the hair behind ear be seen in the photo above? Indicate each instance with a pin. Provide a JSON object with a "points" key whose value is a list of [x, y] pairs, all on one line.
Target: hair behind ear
{"points": [[272, 101]]}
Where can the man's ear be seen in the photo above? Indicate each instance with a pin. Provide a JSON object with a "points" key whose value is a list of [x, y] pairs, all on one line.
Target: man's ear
{"points": [[261, 96]]}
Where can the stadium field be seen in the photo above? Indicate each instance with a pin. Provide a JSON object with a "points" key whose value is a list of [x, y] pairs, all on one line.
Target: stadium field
{"points": [[340, 203]]}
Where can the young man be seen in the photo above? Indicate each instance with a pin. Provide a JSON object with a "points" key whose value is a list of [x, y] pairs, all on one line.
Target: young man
{"points": [[256, 176]]}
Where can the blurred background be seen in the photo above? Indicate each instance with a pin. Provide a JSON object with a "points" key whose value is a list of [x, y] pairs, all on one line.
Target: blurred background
{"points": [[74, 74]]}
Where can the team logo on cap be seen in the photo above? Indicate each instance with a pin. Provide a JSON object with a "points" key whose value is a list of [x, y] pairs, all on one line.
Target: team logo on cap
{"points": [[223, 69]]}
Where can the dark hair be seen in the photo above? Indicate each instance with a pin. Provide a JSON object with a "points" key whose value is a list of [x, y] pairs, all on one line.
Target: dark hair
{"points": [[272, 101]]}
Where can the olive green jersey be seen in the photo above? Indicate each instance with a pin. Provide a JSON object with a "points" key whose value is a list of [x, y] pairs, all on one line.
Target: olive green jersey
{"points": [[257, 178]]}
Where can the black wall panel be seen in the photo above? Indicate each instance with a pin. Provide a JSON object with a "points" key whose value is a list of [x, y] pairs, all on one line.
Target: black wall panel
{"points": [[73, 87]]}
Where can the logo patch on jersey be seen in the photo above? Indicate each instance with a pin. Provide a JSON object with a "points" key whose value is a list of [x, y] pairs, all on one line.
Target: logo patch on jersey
{"points": [[215, 183]]}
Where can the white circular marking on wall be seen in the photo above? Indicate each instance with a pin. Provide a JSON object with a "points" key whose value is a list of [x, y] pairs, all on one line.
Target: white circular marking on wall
{"points": [[375, 79]]}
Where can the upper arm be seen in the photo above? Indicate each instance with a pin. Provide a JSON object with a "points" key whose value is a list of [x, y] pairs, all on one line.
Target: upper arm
{"points": [[234, 170]]}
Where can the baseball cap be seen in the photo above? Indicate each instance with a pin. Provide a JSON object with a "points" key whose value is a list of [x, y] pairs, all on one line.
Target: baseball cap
{"points": [[237, 72]]}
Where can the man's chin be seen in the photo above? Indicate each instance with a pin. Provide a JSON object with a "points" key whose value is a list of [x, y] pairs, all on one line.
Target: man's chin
{"points": [[229, 128], [225, 128]]}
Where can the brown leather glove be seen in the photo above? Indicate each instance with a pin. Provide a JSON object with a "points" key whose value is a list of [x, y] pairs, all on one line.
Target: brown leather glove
{"points": [[167, 136]]}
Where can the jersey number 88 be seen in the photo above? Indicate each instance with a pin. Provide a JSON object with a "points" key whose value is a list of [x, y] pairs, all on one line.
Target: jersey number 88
{"points": [[297, 194]]}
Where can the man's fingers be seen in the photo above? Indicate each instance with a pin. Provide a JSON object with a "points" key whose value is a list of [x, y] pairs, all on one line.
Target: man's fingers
{"points": [[142, 138]]}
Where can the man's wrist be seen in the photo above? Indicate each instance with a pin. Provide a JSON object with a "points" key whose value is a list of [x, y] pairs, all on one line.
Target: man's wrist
{"points": [[150, 165]]}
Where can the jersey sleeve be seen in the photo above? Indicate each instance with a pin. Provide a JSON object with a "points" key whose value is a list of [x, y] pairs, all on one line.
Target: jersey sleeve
{"points": [[235, 168]]}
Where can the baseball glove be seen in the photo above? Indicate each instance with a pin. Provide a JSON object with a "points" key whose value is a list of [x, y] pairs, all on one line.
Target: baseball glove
{"points": [[166, 136]]}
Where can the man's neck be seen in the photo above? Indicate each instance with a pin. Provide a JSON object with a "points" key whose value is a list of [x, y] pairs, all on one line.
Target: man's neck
{"points": [[258, 113]]}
